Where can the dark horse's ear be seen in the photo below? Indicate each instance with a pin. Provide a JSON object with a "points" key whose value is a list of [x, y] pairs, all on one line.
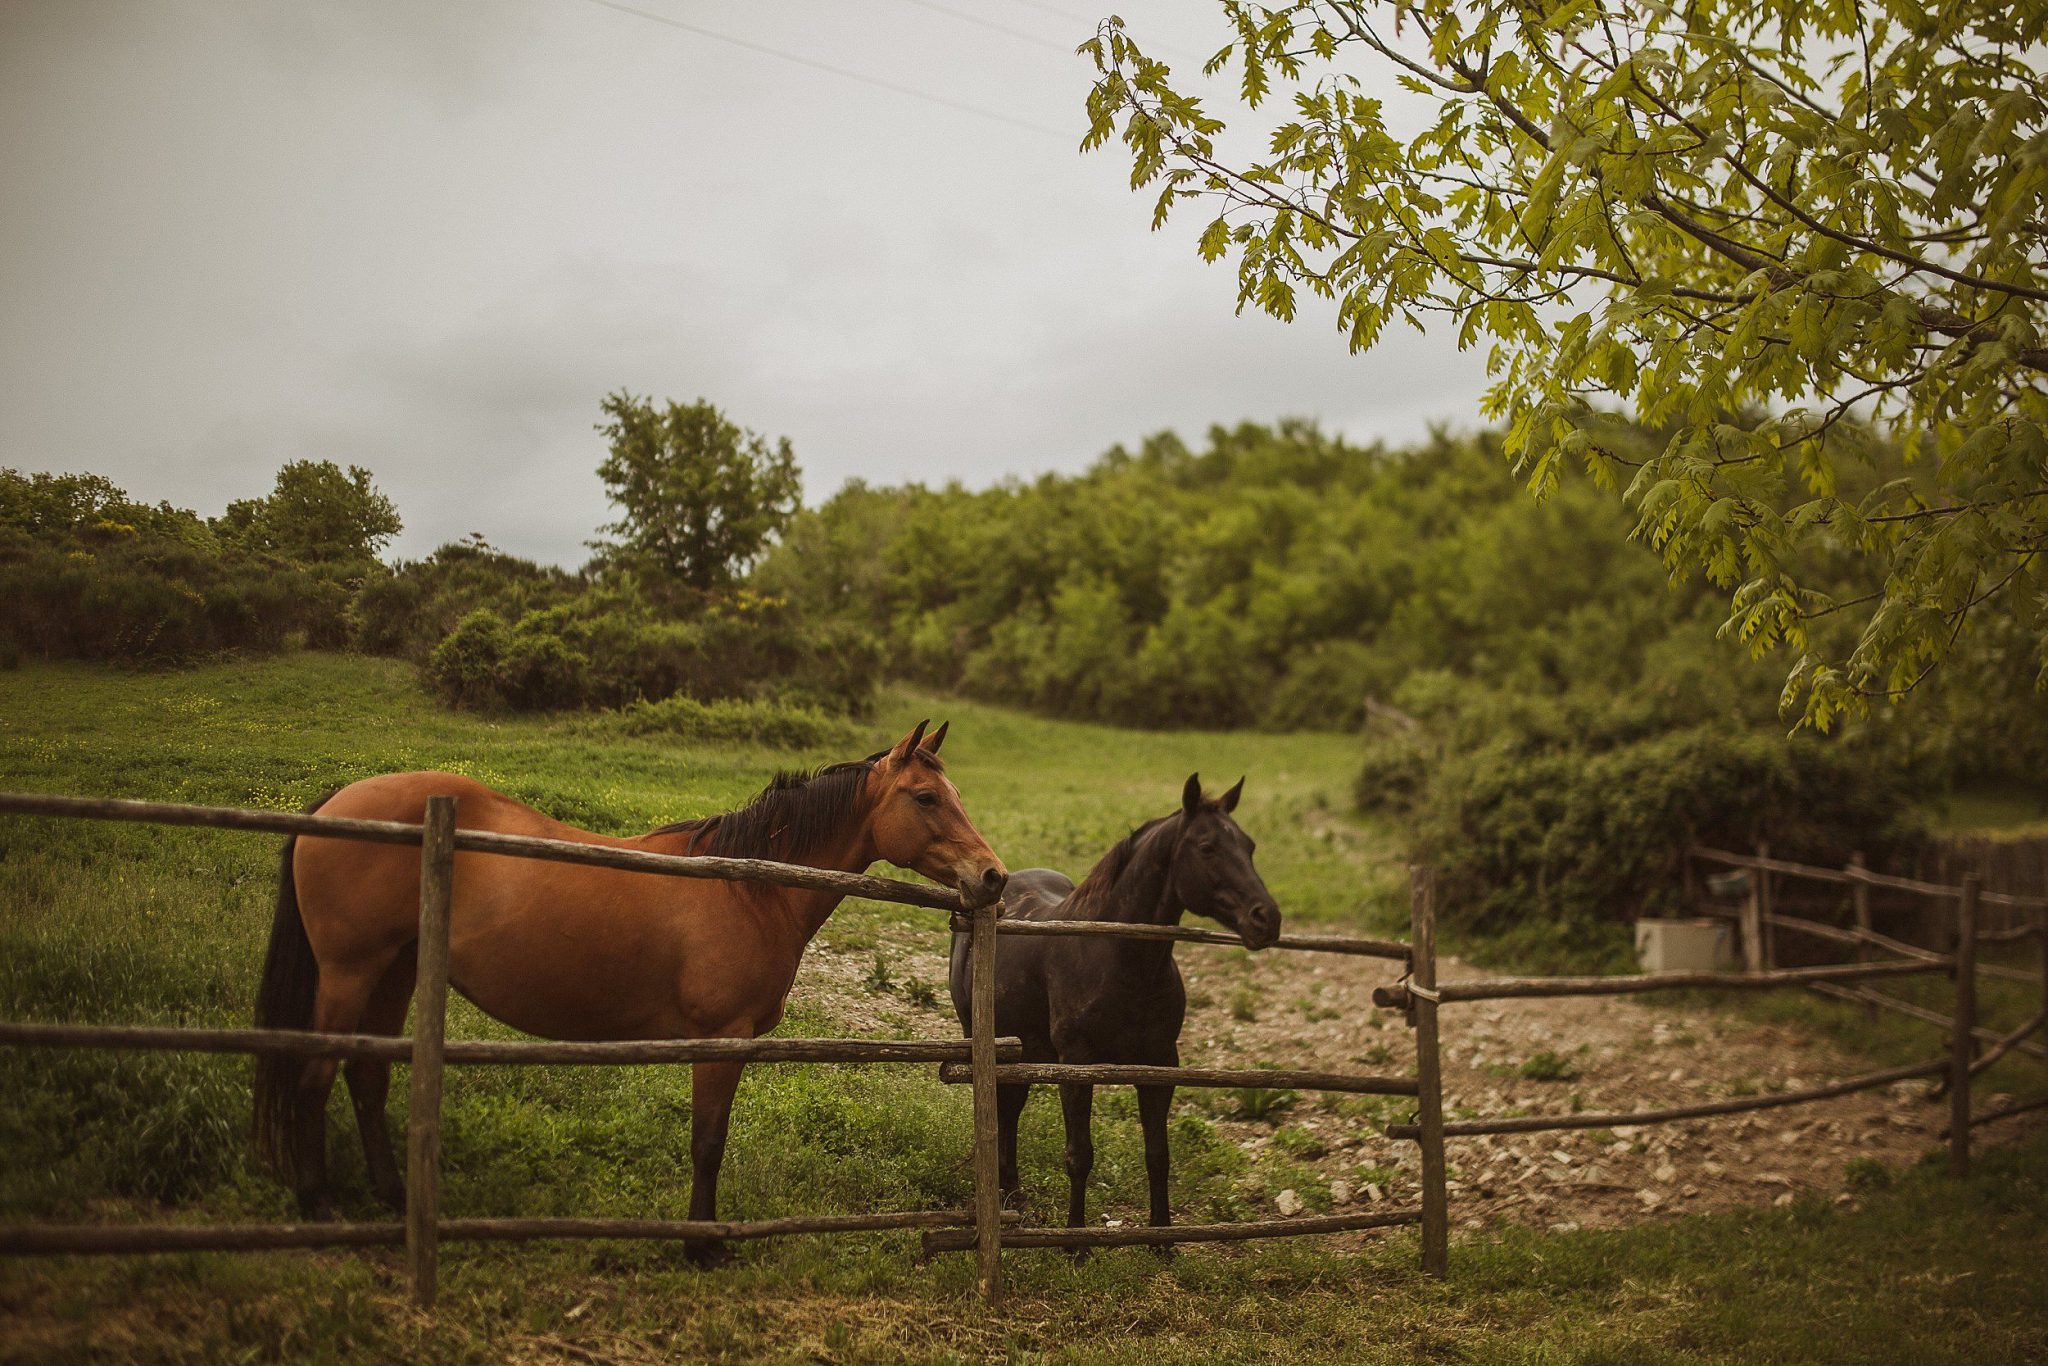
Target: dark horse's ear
{"points": [[903, 747], [1229, 799], [1191, 795], [935, 739]]}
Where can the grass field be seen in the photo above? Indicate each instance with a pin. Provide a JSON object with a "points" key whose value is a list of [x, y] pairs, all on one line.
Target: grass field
{"points": [[140, 924]]}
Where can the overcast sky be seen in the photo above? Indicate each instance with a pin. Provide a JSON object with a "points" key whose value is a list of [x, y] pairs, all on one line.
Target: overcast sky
{"points": [[428, 238]]}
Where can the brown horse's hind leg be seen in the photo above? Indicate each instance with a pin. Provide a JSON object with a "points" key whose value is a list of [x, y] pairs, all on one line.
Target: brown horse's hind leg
{"points": [[369, 1081], [711, 1089], [337, 1009]]}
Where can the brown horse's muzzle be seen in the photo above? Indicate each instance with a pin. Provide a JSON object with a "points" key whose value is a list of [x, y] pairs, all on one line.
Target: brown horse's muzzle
{"points": [[981, 881]]}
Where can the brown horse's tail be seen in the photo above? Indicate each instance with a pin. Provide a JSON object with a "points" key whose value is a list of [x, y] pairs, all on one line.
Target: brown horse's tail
{"points": [[284, 1000]]}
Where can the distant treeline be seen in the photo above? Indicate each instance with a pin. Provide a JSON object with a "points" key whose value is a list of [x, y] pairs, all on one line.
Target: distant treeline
{"points": [[1579, 719], [88, 573]]}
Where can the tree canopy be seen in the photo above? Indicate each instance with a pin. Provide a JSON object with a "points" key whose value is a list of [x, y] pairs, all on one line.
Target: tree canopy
{"points": [[317, 513], [699, 495], [1780, 234]]}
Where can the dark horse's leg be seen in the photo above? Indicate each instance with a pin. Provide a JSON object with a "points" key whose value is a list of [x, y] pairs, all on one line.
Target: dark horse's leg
{"points": [[1009, 1109], [369, 1081], [1153, 1104], [1077, 1100], [711, 1088]]}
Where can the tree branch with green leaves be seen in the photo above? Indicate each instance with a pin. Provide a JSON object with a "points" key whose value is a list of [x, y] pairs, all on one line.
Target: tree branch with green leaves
{"points": [[1802, 241]]}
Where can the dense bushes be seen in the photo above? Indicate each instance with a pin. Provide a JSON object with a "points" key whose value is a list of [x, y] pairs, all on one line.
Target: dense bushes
{"points": [[600, 651], [1552, 823], [86, 573]]}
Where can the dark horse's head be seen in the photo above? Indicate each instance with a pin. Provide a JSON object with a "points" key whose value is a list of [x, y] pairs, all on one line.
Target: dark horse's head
{"points": [[1212, 867]]}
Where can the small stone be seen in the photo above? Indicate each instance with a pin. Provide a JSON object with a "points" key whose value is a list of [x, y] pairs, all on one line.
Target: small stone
{"points": [[1651, 1199], [1783, 1200], [1789, 1137], [1564, 1157], [1340, 1192], [1288, 1203], [1373, 1192], [1712, 1168], [1666, 1174], [1689, 1191], [1564, 1226], [1677, 1074]]}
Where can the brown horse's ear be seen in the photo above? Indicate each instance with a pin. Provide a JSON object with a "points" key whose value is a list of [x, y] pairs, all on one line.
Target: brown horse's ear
{"points": [[935, 739], [1191, 795], [1229, 799], [908, 743]]}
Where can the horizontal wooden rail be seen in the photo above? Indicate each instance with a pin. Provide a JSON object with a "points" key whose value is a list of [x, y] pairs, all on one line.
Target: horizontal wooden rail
{"points": [[1503, 988], [1837, 934], [1145, 1235], [1854, 874], [102, 1239], [2005, 1043], [1866, 996], [486, 842], [1185, 934], [1119, 1074], [1536, 1124], [1990, 1116], [490, 1051]]}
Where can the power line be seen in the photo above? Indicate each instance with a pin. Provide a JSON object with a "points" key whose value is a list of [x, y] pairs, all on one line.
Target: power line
{"points": [[844, 73], [1062, 13], [1019, 34]]}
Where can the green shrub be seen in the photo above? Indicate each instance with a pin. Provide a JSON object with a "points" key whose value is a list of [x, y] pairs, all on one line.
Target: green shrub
{"points": [[1550, 843]]}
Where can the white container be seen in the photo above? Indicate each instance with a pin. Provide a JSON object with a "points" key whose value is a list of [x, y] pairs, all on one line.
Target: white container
{"points": [[1685, 945]]}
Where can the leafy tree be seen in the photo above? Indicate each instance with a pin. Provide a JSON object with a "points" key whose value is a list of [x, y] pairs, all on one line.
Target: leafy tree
{"points": [[1825, 214], [701, 496], [317, 514]]}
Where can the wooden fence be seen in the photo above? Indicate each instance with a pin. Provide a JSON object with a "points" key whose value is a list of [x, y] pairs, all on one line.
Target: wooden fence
{"points": [[982, 1060], [1958, 1065]]}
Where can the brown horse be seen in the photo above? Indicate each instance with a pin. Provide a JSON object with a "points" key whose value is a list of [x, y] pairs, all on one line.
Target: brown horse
{"points": [[567, 951]]}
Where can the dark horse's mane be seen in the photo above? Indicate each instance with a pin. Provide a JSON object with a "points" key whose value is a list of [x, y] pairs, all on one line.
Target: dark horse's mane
{"points": [[1112, 865], [790, 819]]}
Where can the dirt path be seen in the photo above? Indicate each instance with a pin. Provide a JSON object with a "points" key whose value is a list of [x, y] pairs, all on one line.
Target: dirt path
{"points": [[1598, 1053]]}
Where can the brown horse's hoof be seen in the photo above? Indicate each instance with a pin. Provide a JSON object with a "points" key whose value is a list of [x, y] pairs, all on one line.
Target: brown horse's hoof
{"points": [[708, 1254]]}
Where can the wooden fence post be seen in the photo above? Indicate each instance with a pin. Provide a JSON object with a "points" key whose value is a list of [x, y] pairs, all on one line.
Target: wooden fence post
{"points": [[988, 1194], [1766, 907], [1962, 1046], [1753, 924], [1859, 895], [1428, 1072], [430, 1019]]}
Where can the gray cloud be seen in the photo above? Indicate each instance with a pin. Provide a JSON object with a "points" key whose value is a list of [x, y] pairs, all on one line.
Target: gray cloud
{"points": [[429, 239]]}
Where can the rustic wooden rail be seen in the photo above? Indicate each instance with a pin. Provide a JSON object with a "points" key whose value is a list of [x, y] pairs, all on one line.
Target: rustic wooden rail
{"points": [[1507, 988], [1536, 1124], [1183, 934], [105, 1239], [961, 1240], [1855, 873], [518, 1053], [1120, 1074], [487, 842]]}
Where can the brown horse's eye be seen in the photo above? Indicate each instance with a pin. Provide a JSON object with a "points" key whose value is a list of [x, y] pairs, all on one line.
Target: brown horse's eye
{"points": [[927, 799]]}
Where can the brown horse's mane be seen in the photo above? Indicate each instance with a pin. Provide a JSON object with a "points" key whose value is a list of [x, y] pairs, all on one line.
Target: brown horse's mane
{"points": [[792, 818]]}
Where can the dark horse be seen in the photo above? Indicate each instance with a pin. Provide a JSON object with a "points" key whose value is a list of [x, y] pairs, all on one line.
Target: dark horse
{"points": [[568, 951], [1095, 999]]}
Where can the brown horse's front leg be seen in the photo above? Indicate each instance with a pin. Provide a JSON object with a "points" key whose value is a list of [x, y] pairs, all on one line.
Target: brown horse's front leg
{"points": [[711, 1090], [1077, 1104]]}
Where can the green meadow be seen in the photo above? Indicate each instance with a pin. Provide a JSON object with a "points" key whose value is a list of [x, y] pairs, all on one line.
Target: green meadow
{"points": [[125, 923]]}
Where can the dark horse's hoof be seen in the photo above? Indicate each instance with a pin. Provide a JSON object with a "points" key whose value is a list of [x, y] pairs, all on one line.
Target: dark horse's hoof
{"points": [[708, 1254]]}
